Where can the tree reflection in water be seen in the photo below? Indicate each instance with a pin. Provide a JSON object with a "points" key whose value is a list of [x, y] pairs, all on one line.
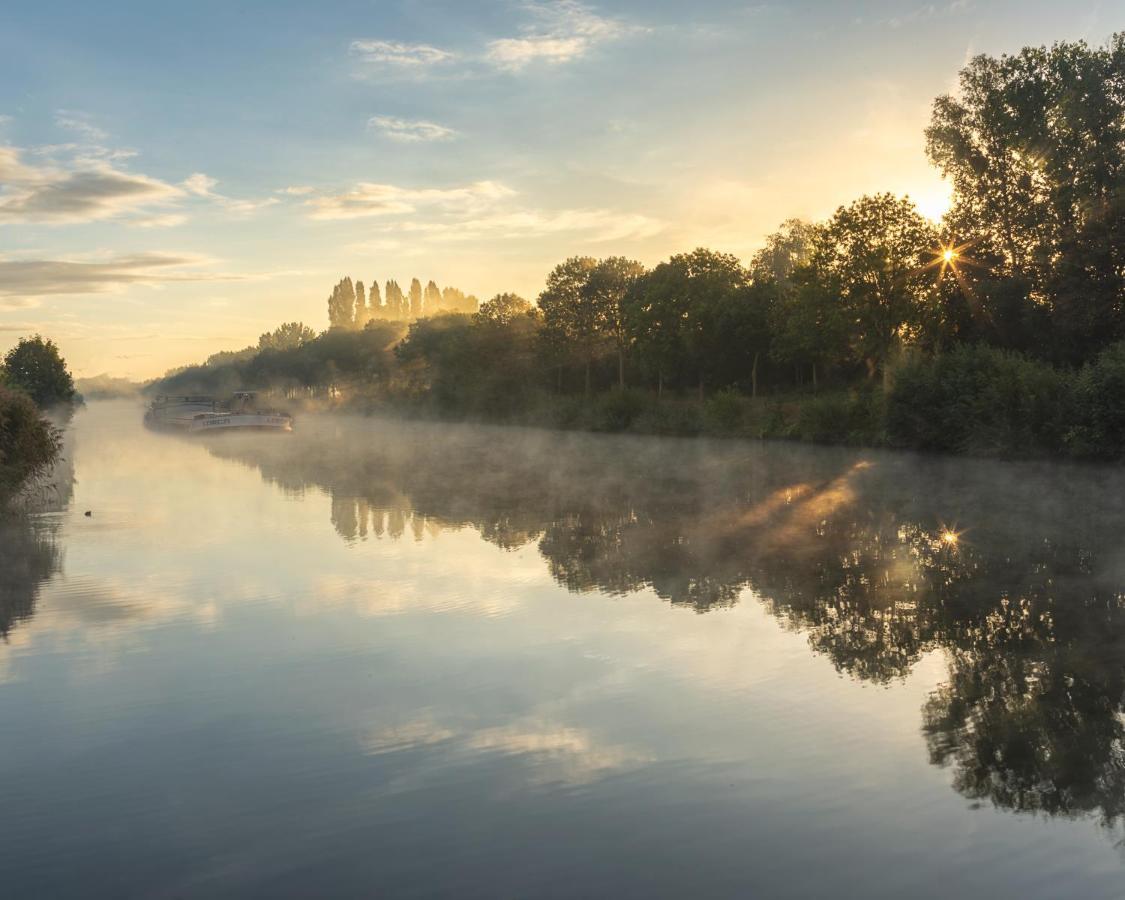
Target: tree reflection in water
{"points": [[858, 551], [29, 551], [28, 557]]}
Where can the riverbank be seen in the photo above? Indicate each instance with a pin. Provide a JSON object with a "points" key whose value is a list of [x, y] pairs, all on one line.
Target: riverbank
{"points": [[973, 401]]}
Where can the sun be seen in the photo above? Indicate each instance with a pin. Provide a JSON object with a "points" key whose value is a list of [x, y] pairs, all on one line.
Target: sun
{"points": [[949, 254]]}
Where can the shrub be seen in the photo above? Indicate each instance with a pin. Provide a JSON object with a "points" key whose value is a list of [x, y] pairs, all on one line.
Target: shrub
{"points": [[981, 400], [28, 444], [616, 410], [1099, 429], [724, 412], [854, 417]]}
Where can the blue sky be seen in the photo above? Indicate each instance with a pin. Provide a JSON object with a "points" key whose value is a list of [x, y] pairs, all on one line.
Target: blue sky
{"points": [[176, 178]]}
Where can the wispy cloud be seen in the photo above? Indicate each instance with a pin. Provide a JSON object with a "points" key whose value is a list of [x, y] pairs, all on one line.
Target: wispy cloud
{"points": [[369, 199], [562, 31], [397, 55], [201, 185], [408, 131], [81, 125], [927, 12], [81, 190], [596, 225], [23, 281], [557, 31]]}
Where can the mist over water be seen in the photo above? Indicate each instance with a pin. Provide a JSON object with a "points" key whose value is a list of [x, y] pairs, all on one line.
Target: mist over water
{"points": [[408, 659]]}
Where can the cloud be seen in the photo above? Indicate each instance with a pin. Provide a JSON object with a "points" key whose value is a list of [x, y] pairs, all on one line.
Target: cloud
{"points": [[80, 124], [368, 199], [559, 31], [598, 225], [565, 30], [297, 190], [203, 186], [927, 13], [408, 131], [166, 220], [24, 280], [395, 55], [86, 190]]}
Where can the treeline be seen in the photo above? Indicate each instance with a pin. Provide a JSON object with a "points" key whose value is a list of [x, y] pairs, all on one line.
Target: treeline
{"points": [[33, 379], [851, 329], [351, 307]]}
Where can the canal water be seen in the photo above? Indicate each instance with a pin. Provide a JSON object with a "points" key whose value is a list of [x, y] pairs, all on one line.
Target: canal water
{"points": [[386, 659]]}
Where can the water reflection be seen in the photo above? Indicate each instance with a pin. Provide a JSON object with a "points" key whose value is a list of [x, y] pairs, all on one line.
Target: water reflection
{"points": [[30, 553], [1015, 571], [28, 558]]}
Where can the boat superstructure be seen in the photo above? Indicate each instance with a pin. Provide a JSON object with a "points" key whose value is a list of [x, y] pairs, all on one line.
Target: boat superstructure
{"points": [[197, 415]]}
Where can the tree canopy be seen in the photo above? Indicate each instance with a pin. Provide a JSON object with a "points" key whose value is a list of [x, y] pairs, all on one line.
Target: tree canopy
{"points": [[35, 366]]}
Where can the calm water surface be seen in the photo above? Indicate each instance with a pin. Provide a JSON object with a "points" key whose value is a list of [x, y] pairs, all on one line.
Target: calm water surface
{"points": [[397, 660]]}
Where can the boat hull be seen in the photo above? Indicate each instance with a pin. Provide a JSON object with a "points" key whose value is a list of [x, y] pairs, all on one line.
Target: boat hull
{"points": [[221, 422]]}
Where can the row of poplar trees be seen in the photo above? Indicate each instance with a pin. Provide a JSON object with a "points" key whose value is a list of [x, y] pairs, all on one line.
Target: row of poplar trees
{"points": [[350, 306]]}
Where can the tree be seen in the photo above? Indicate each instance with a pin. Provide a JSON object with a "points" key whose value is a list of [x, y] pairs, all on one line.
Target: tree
{"points": [[341, 305], [786, 250], [503, 309], [394, 300], [876, 256], [570, 318], [605, 290], [362, 313], [453, 300], [375, 303], [36, 367], [415, 299], [431, 299], [808, 324], [678, 315], [288, 336], [1034, 145]]}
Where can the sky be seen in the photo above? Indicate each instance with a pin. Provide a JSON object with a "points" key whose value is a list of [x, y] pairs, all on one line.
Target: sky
{"points": [[177, 178]]}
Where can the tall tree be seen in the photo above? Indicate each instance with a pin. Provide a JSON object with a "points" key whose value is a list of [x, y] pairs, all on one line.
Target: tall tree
{"points": [[678, 312], [362, 313], [288, 336], [876, 256], [35, 366], [1034, 145], [341, 305], [374, 302], [431, 299], [605, 290], [503, 309], [787, 249], [415, 299], [570, 319]]}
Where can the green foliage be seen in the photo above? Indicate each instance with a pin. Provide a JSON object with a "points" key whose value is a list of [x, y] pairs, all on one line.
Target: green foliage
{"points": [[36, 367], [981, 400], [842, 417], [289, 336], [873, 256], [617, 410], [1033, 144], [724, 412], [503, 309], [28, 443], [1100, 407]]}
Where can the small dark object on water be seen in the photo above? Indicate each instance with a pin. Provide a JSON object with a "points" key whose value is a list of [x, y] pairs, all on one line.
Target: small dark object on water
{"points": [[89, 513]]}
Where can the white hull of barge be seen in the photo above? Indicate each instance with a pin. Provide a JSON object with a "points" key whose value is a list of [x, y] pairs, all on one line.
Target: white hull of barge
{"points": [[203, 415], [239, 422]]}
